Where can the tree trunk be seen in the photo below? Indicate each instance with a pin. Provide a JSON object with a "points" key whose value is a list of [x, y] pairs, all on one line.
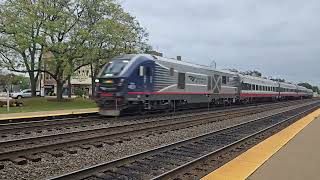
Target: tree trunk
{"points": [[59, 89], [69, 87], [33, 83], [93, 77]]}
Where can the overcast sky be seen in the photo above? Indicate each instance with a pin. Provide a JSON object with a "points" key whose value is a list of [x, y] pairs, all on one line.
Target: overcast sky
{"points": [[280, 38]]}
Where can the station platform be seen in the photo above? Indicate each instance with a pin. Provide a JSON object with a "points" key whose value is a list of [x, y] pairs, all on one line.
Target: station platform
{"points": [[293, 153], [28, 115]]}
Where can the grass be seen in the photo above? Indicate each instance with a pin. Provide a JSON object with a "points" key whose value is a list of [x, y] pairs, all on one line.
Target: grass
{"points": [[44, 104]]}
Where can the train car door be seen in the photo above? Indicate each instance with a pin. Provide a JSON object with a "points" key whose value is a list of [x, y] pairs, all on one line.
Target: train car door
{"points": [[146, 73], [216, 84], [148, 79]]}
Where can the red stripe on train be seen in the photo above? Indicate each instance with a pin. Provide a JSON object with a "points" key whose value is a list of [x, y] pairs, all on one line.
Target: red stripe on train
{"points": [[200, 93]]}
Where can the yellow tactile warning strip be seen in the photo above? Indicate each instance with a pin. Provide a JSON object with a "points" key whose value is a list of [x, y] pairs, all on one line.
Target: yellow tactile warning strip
{"points": [[244, 165], [47, 113]]}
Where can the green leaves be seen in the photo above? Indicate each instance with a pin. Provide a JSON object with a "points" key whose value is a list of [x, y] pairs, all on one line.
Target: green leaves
{"points": [[74, 32]]}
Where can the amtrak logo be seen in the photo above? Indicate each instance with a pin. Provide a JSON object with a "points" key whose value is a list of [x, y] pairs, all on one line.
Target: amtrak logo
{"points": [[192, 78], [197, 79], [132, 86]]}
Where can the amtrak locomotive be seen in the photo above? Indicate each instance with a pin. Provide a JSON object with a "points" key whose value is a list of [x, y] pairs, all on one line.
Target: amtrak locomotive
{"points": [[144, 82]]}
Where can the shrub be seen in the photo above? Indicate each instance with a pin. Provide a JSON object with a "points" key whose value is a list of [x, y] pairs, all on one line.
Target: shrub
{"points": [[79, 92]]}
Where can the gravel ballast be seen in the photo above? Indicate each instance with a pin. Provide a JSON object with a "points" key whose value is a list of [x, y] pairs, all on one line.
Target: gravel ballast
{"points": [[50, 166]]}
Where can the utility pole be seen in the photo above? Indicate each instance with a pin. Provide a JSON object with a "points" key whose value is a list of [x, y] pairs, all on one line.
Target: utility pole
{"points": [[8, 100], [213, 64]]}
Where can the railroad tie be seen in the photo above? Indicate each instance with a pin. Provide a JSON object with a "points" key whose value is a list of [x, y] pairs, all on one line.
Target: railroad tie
{"points": [[56, 153], [19, 161], [33, 158]]}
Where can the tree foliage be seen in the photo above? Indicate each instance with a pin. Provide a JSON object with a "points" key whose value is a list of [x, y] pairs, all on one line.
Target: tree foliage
{"points": [[21, 38], [7, 79], [253, 73], [309, 86], [306, 85], [71, 34], [278, 79]]}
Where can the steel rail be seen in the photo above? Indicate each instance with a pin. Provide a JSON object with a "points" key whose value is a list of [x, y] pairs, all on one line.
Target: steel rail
{"points": [[82, 137], [87, 172]]}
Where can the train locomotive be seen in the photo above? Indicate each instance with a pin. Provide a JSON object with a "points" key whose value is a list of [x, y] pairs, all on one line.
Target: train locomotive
{"points": [[143, 82]]}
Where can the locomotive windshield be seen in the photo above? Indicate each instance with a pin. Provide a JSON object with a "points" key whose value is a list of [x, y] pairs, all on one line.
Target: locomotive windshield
{"points": [[114, 68]]}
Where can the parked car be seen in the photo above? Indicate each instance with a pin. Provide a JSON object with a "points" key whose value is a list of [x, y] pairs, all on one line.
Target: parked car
{"points": [[23, 94]]}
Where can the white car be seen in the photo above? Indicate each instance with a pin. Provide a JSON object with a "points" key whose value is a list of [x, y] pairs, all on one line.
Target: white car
{"points": [[23, 94]]}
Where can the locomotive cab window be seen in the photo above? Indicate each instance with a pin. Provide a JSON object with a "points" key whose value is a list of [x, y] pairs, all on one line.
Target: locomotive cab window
{"points": [[114, 68]]}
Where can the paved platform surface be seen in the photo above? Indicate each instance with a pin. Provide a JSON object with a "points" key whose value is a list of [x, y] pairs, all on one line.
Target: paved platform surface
{"points": [[293, 153], [46, 113], [299, 159]]}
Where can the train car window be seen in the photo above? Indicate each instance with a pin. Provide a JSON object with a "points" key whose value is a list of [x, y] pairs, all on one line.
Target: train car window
{"points": [[171, 71], [253, 87], [228, 79], [257, 88], [224, 80], [209, 83], [243, 86], [246, 86], [181, 80]]}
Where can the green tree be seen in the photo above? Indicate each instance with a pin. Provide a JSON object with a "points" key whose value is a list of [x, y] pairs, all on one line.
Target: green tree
{"points": [[21, 38], [253, 73], [316, 89], [13, 79], [72, 34], [118, 34], [306, 85], [278, 79]]}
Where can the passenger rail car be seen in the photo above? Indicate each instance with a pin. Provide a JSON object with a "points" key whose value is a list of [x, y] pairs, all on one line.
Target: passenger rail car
{"points": [[146, 82]]}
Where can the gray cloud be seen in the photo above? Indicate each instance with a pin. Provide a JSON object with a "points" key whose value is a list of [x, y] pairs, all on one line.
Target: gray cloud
{"points": [[278, 38]]}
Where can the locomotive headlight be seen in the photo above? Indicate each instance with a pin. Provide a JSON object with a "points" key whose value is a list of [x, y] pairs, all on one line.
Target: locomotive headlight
{"points": [[96, 80], [121, 82]]}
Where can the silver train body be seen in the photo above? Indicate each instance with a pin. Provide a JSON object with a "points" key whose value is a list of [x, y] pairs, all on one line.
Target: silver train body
{"points": [[146, 82]]}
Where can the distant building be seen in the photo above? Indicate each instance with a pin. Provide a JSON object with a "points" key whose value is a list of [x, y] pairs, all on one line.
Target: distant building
{"points": [[81, 79]]}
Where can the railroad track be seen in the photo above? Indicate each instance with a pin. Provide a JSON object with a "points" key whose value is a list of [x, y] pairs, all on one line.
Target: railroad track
{"points": [[39, 127], [171, 161], [22, 150]]}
